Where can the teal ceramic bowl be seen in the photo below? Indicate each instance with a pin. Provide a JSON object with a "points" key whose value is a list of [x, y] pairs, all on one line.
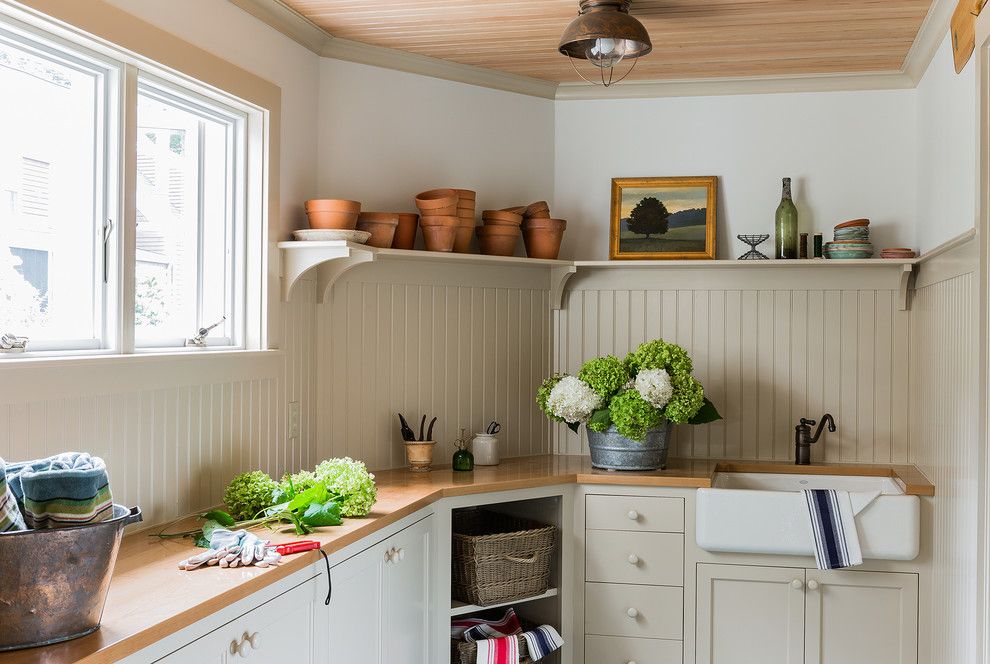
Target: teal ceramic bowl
{"points": [[852, 234], [848, 253]]}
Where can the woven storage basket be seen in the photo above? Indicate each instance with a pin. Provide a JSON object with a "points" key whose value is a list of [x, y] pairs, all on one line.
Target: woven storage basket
{"points": [[498, 558], [462, 652]]}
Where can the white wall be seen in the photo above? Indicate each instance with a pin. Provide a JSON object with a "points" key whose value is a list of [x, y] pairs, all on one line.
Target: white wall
{"points": [[947, 150], [851, 154], [386, 135]]}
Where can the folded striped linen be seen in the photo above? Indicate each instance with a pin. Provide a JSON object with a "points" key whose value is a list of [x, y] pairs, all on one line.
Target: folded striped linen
{"points": [[478, 629], [67, 489], [10, 513], [503, 650], [542, 641], [833, 525]]}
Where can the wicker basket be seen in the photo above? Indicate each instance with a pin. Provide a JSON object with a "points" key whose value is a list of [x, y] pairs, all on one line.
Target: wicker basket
{"points": [[498, 558], [462, 652]]}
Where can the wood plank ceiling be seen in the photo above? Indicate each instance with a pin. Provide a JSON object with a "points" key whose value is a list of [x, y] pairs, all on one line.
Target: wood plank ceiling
{"points": [[691, 38]]}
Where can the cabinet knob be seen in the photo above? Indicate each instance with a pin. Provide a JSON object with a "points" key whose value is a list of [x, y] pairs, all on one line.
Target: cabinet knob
{"points": [[242, 648], [812, 585], [254, 640], [797, 584], [630, 662], [401, 553], [390, 555], [633, 515], [633, 559], [632, 613]]}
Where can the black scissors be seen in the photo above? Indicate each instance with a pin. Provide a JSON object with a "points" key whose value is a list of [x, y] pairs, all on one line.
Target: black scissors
{"points": [[493, 428]]}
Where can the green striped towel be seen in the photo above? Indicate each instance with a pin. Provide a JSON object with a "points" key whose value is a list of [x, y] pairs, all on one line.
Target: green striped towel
{"points": [[10, 513], [67, 489]]}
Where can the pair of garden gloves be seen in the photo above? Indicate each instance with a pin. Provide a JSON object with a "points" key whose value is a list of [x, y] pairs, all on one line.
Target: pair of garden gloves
{"points": [[234, 549]]}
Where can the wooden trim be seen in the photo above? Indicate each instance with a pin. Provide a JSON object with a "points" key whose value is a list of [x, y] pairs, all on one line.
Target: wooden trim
{"points": [[930, 36], [947, 246], [288, 21]]}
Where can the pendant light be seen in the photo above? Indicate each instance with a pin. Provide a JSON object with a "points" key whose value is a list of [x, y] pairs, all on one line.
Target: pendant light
{"points": [[605, 34]]}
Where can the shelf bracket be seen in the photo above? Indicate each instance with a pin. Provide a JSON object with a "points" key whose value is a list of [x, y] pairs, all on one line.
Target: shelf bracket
{"points": [[905, 287], [559, 275], [331, 263]]}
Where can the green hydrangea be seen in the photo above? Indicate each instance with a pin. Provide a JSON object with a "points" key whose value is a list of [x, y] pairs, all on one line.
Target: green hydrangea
{"points": [[606, 375], [248, 493], [689, 396], [350, 480], [658, 354], [633, 415], [543, 394]]}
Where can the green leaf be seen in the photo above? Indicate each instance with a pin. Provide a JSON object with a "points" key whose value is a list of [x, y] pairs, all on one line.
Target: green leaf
{"points": [[707, 413], [573, 426], [202, 541], [600, 420], [315, 494], [220, 517], [322, 514], [209, 527]]}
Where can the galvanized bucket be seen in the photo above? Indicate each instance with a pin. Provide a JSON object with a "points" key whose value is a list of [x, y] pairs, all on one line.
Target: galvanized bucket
{"points": [[613, 451], [54, 581]]}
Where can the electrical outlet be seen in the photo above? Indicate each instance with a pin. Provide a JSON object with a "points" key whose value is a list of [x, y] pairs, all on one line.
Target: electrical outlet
{"points": [[293, 420]]}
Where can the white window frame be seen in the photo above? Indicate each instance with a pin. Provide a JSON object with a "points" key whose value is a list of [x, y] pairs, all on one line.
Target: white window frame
{"points": [[248, 213]]}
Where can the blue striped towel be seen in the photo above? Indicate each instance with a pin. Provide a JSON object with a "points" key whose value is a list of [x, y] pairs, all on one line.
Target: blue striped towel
{"points": [[542, 641], [833, 525], [10, 513], [67, 489]]}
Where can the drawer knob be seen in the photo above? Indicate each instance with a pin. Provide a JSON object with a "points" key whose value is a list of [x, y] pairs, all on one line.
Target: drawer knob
{"points": [[797, 584], [633, 559], [242, 648], [630, 662], [812, 585], [632, 613], [633, 515], [254, 640], [401, 553]]}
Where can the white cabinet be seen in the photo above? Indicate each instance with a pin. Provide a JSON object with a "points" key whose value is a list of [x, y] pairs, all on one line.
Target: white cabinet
{"points": [[787, 615], [380, 607], [283, 629]]}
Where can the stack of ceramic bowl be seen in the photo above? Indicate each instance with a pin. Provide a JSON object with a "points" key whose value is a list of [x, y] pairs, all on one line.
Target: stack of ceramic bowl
{"points": [[852, 240], [381, 225], [500, 233], [439, 221], [541, 234], [465, 215], [332, 219], [897, 252]]}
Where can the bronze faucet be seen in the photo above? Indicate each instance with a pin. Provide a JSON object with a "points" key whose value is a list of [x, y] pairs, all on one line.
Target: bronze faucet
{"points": [[803, 440]]}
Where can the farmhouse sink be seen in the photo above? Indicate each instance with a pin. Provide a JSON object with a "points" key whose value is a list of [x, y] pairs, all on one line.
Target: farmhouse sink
{"points": [[767, 513]]}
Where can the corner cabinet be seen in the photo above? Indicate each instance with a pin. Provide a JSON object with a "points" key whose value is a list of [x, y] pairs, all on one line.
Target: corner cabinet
{"points": [[380, 604], [789, 615]]}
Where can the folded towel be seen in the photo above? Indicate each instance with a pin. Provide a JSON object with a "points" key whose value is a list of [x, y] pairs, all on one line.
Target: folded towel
{"points": [[503, 650], [542, 641], [67, 489], [834, 528], [10, 513], [478, 629]]}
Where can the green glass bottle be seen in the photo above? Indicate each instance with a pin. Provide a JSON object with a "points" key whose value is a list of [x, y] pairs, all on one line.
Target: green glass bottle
{"points": [[787, 225], [463, 459]]}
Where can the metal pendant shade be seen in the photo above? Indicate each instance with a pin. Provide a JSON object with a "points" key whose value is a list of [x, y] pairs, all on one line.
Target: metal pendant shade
{"points": [[605, 20]]}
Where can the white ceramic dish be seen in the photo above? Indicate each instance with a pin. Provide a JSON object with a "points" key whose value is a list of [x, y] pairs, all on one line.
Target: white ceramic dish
{"points": [[324, 235]]}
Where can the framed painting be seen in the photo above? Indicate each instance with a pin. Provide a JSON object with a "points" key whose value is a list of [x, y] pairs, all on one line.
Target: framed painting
{"points": [[663, 218]]}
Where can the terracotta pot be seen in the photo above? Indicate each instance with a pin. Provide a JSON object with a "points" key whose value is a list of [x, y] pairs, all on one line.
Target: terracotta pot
{"points": [[466, 196], [501, 215], [499, 222], [853, 223], [381, 225], [332, 213], [405, 233], [419, 454], [498, 240], [542, 237], [519, 209], [437, 202], [537, 210], [439, 232], [462, 239]]}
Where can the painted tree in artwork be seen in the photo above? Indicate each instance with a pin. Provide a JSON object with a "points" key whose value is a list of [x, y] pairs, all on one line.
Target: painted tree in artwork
{"points": [[649, 217]]}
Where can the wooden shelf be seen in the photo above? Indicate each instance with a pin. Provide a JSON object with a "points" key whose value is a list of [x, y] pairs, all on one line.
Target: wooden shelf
{"points": [[333, 258], [460, 608]]}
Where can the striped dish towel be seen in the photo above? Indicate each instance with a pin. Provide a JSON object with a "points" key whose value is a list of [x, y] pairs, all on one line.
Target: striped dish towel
{"points": [[10, 513], [503, 650], [67, 489], [834, 527], [542, 641], [479, 629]]}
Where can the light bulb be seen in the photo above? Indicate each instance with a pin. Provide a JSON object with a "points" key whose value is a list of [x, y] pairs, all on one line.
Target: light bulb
{"points": [[606, 52]]}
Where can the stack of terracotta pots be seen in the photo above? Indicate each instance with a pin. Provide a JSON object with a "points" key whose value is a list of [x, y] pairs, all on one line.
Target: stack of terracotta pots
{"points": [[465, 215], [541, 234], [499, 234], [438, 218], [405, 232], [333, 213], [381, 225]]}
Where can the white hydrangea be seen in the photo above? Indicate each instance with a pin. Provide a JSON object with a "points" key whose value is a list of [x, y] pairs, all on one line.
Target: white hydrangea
{"points": [[654, 385], [573, 400]]}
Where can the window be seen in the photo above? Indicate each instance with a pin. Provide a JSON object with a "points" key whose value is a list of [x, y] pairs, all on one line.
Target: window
{"points": [[94, 258]]}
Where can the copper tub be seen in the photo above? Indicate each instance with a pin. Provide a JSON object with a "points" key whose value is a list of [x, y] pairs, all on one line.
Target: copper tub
{"points": [[54, 581]]}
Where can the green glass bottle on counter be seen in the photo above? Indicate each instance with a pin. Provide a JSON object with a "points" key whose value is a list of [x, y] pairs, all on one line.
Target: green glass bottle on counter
{"points": [[463, 460], [787, 225]]}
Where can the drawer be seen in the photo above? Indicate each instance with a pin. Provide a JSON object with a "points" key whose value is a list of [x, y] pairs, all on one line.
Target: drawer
{"points": [[654, 514], [619, 609], [617, 650], [644, 558]]}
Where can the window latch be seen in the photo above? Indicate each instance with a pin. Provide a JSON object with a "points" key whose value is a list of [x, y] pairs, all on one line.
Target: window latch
{"points": [[11, 343], [107, 231], [199, 341]]}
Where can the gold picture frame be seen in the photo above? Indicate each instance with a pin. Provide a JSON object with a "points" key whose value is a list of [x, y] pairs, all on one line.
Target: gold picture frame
{"points": [[682, 242]]}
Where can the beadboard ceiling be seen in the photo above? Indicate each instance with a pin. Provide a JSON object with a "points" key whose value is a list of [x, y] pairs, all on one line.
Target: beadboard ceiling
{"points": [[692, 39]]}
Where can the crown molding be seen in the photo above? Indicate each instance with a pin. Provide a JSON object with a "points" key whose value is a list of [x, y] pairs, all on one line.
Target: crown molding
{"points": [[288, 21], [930, 36]]}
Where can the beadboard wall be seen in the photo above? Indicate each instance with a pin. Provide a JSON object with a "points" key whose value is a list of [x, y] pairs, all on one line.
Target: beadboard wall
{"points": [[467, 345], [173, 431], [767, 355], [944, 439]]}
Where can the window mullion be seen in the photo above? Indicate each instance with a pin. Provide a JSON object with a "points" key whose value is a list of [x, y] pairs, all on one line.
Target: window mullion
{"points": [[128, 229]]}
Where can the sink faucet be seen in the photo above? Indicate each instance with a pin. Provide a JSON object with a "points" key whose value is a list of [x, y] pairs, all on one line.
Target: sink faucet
{"points": [[803, 440]]}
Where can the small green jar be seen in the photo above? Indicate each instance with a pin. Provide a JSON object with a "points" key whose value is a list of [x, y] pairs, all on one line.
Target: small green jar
{"points": [[463, 460]]}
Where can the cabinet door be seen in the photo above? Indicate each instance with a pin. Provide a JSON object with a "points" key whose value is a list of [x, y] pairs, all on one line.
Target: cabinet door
{"points": [[407, 595], [750, 614], [861, 617], [356, 606]]}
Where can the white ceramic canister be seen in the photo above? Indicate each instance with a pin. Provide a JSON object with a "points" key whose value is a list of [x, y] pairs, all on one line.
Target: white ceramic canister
{"points": [[484, 447]]}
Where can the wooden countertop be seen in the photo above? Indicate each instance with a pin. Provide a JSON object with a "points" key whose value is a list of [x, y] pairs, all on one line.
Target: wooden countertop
{"points": [[147, 567]]}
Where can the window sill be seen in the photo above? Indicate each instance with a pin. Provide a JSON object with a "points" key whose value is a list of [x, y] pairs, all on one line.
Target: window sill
{"points": [[149, 356]]}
